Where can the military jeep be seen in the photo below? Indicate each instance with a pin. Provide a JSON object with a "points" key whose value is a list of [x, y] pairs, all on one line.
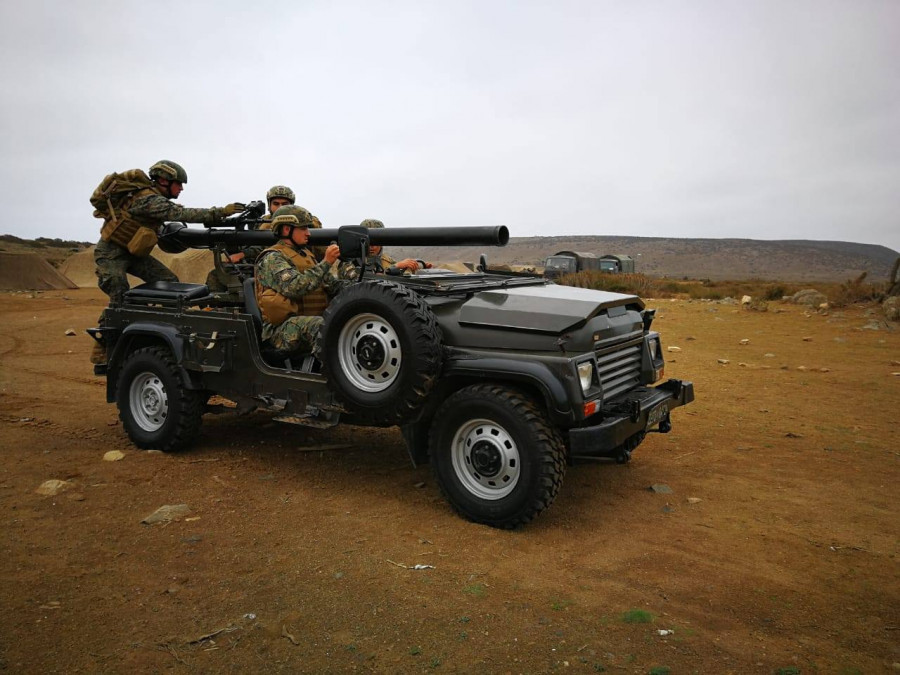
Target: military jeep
{"points": [[499, 380]]}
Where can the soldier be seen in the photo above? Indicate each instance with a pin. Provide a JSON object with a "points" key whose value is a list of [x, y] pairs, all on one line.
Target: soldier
{"points": [[379, 263], [129, 232], [292, 288], [134, 207], [276, 197]]}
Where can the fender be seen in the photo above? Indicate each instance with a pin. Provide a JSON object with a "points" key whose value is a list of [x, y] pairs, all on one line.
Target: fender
{"points": [[164, 332], [537, 374]]}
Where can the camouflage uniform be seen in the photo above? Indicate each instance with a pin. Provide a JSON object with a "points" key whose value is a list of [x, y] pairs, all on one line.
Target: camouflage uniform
{"points": [[151, 208], [275, 271], [375, 264], [217, 281]]}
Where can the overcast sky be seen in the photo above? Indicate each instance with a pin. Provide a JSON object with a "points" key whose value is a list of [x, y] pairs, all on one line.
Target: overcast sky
{"points": [[755, 119]]}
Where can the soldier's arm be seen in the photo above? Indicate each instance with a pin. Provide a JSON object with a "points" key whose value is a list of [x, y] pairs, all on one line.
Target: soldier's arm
{"points": [[276, 272], [158, 207]]}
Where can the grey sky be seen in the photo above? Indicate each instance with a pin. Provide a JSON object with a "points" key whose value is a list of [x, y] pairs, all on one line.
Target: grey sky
{"points": [[770, 120]]}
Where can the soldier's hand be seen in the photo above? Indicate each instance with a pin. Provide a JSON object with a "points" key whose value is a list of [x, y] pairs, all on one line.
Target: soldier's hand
{"points": [[408, 264], [236, 257], [234, 207], [332, 253]]}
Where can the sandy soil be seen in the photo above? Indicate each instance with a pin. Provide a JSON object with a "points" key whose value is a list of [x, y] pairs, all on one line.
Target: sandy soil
{"points": [[296, 558]]}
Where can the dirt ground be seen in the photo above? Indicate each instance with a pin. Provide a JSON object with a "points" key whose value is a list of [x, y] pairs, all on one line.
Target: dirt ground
{"points": [[776, 551]]}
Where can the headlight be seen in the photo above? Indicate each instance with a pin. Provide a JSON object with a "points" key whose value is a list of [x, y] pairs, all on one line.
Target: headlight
{"points": [[654, 349], [586, 375]]}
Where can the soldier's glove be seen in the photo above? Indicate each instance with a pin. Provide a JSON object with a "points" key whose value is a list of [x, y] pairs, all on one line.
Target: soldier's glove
{"points": [[231, 209]]}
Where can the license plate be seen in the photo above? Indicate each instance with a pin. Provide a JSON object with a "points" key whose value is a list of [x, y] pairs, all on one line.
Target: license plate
{"points": [[657, 415]]}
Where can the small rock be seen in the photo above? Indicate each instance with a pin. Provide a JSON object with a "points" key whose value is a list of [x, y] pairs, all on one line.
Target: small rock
{"points": [[824, 370], [694, 500], [745, 341], [742, 364], [691, 338], [840, 340], [723, 361], [76, 496], [660, 489], [791, 434], [784, 367], [802, 369], [807, 339], [895, 363], [113, 456], [166, 513], [823, 305], [70, 332], [769, 355], [420, 484], [746, 300], [896, 374], [53, 487], [664, 632], [672, 348]]}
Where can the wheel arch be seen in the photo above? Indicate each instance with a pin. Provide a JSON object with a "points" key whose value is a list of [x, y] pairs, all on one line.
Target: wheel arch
{"points": [[139, 335], [533, 378]]}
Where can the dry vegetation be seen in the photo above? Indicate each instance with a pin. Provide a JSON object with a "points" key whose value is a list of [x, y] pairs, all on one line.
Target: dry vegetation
{"points": [[851, 292]]}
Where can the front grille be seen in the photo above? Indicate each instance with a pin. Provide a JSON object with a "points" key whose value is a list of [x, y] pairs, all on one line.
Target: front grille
{"points": [[620, 367]]}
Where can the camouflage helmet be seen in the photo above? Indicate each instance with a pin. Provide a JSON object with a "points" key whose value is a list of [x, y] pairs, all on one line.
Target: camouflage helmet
{"points": [[295, 216], [372, 224], [282, 191], [168, 170]]}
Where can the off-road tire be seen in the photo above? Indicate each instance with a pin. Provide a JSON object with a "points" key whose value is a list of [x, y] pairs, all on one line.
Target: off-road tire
{"points": [[157, 411], [495, 455], [380, 349]]}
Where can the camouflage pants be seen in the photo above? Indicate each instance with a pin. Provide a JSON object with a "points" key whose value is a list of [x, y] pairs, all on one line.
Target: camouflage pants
{"points": [[114, 263], [297, 334]]}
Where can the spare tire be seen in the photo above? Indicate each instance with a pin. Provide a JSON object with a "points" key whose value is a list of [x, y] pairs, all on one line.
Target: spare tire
{"points": [[380, 348]]}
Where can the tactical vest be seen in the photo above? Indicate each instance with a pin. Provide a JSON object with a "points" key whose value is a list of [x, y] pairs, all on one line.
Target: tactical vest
{"points": [[111, 200], [275, 307]]}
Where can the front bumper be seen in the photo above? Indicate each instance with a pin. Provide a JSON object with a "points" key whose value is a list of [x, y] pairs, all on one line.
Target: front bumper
{"points": [[633, 413]]}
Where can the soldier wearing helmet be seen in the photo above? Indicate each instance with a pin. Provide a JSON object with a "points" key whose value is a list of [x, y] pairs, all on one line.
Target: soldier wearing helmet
{"points": [[292, 287], [134, 205], [379, 263], [276, 197]]}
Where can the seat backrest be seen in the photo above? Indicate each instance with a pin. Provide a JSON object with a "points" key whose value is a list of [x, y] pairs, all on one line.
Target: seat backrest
{"points": [[250, 304]]}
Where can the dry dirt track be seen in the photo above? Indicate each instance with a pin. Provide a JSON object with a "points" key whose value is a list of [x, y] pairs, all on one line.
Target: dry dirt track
{"points": [[789, 561]]}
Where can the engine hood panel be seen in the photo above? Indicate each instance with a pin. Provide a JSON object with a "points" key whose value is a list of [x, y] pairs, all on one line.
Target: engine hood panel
{"points": [[548, 309]]}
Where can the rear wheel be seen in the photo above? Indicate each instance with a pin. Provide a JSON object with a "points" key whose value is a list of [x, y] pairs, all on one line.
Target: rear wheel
{"points": [[495, 456], [157, 410]]}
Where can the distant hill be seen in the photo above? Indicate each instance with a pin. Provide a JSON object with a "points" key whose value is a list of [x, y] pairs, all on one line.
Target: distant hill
{"points": [[719, 259], [54, 251]]}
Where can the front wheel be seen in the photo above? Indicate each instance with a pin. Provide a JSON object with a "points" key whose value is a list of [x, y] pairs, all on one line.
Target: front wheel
{"points": [[157, 411], [495, 456]]}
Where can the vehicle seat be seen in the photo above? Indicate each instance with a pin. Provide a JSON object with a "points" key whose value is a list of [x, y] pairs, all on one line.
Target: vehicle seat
{"points": [[271, 355]]}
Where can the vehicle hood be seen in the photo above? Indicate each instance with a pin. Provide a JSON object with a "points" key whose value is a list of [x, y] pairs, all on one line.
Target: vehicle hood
{"points": [[549, 308]]}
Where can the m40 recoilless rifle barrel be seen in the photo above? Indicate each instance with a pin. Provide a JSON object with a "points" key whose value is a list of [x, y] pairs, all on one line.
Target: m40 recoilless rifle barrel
{"points": [[178, 236]]}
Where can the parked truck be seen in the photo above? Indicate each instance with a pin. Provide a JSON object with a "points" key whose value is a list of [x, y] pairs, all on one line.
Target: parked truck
{"points": [[571, 262]]}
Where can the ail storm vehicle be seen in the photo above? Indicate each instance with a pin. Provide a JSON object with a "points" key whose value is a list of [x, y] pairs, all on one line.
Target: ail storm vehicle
{"points": [[498, 380]]}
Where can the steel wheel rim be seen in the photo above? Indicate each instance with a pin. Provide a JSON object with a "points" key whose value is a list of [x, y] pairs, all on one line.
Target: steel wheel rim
{"points": [[369, 353], [486, 459], [148, 401]]}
